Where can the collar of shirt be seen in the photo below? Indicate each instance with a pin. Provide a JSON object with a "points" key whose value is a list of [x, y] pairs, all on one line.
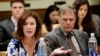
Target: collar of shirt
{"points": [[65, 33], [14, 21]]}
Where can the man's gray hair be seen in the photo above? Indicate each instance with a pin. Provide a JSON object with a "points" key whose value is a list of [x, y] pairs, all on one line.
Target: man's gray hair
{"points": [[65, 8]]}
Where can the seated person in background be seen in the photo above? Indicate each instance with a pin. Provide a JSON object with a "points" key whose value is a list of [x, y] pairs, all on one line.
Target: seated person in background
{"points": [[8, 26], [27, 36], [96, 20], [84, 20], [50, 19], [64, 36]]}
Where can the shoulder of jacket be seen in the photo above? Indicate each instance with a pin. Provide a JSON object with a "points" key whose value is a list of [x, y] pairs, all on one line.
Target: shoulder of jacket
{"points": [[79, 31]]}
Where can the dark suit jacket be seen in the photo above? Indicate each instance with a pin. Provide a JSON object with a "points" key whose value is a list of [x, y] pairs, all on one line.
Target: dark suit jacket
{"points": [[6, 30], [57, 39]]}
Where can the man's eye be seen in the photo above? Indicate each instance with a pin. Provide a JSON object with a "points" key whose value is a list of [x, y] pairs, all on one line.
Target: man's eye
{"points": [[14, 7]]}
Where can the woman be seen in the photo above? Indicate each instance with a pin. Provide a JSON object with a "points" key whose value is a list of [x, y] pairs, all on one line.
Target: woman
{"points": [[84, 20], [50, 19], [27, 36]]}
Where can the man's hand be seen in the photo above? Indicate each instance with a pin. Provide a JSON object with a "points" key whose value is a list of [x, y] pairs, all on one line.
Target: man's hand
{"points": [[60, 51]]}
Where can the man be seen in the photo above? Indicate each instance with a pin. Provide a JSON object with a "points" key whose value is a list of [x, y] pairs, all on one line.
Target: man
{"points": [[60, 37], [7, 27]]}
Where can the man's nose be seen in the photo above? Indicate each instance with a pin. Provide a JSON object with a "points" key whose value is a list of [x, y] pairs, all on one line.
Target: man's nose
{"points": [[17, 9], [68, 22]]}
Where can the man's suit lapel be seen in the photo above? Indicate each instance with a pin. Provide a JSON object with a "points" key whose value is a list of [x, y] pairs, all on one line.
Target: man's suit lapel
{"points": [[62, 38], [10, 27], [80, 40]]}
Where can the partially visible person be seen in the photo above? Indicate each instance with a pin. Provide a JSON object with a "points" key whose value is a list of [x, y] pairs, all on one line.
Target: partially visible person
{"points": [[27, 36], [8, 26], [50, 19], [84, 19], [67, 37], [96, 20]]}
